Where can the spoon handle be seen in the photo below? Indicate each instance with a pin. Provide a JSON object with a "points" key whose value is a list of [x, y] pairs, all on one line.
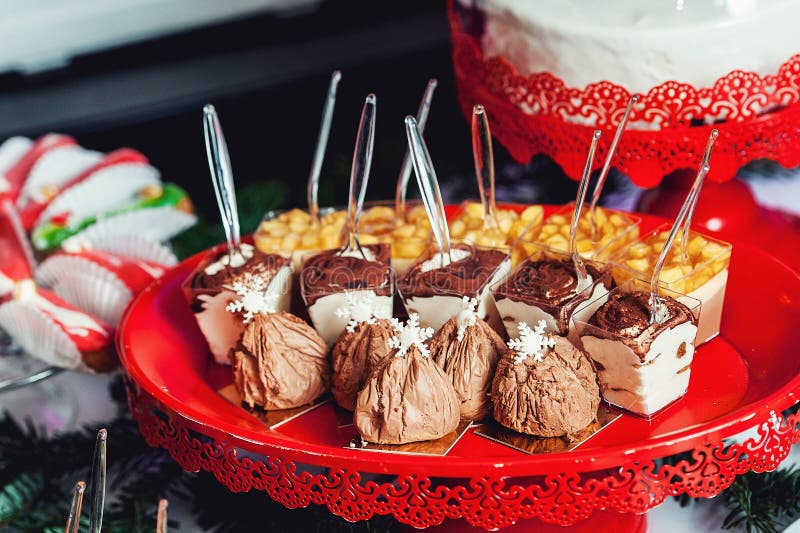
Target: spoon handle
{"points": [[429, 187], [405, 169], [74, 517], [219, 164], [580, 268], [656, 313], [98, 491], [319, 151], [359, 173], [483, 155], [161, 517], [688, 223]]}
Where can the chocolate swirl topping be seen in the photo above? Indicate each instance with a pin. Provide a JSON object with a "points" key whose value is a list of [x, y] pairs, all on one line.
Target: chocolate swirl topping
{"points": [[550, 284], [328, 273], [464, 277], [259, 263], [626, 317]]}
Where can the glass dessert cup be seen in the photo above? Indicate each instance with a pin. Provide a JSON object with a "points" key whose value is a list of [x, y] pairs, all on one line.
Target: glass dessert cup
{"points": [[542, 287], [210, 288], [330, 279], [641, 368], [703, 279], [466, 225], [436, 293], [615, 229]]}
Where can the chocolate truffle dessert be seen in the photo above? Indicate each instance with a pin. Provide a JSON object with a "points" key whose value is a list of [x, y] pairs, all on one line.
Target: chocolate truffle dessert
{"points": [[329, 276], [209, 290], [407, 397], [547, 289], [642, 367], [363, 344], [435, 291], [467, 349], [544, 386]]}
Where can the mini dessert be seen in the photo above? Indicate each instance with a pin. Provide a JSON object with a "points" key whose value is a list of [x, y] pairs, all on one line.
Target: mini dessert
{"points": [[642, 367], [280, 361], [545, 287], [435, 291], [408, 397], [215, 283], [467, 349], [703, 276], [408, 238], [613, 230], [363, 345], [329, 276], [468, 225], [544, 386]]}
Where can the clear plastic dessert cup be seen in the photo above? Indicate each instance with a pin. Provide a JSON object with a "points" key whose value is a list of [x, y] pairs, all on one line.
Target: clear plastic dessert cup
{"points": [[332, 281], [545, 287], [409, 238], [212, 285], [641, 368], [613, 231], [703, 278], [467, 225], [436, 292]]}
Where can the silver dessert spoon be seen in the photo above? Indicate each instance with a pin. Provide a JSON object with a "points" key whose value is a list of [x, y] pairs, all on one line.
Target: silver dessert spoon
{"points": [[580, 268], [688, 224], [74, 517], [405, 169], [429, 187], [359, 174], [319, 151], [219, 164], [484, 164], [601, 179], [657, 312]]}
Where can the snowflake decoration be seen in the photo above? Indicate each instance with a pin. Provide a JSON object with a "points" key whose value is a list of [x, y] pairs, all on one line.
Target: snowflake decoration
{"points": [[409, 335], [531, 342], [467, 316], [358, 308], [254, 297]]}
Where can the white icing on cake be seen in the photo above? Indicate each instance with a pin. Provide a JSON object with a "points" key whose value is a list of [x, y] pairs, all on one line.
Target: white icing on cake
{"points": [[641, 44]]}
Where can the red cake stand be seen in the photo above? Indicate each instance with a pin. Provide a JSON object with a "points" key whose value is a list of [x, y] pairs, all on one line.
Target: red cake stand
{"points": [[744, 378]]}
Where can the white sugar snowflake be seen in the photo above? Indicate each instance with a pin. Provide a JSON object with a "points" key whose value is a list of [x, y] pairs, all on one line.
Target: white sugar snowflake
{"points": [[409, 335], [467, 316], [359, 308], [531, 342], [254, 297]]}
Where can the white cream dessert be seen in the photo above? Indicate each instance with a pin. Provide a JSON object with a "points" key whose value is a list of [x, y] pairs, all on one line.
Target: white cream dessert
{"points": [[547, 290], [213, 286], [641, 367], [331, 278], [435, 291], [639, 44]]}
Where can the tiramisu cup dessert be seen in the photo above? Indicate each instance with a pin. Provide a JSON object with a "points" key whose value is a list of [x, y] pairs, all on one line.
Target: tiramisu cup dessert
{"points": [[212, 286], [434, 287], [407, 397], [642, 366], [545, 287], [544, 386], [328, 277], [467, 349]]}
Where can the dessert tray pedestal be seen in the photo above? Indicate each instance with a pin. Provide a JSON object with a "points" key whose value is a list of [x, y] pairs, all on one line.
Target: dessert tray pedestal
{"points": [[745, 378]]}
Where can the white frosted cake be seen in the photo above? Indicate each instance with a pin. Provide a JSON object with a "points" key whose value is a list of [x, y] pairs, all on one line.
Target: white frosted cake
{"points": [[637, 44]]}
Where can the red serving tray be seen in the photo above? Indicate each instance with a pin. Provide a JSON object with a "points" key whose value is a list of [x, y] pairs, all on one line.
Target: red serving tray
{"points": [[742, 379]]}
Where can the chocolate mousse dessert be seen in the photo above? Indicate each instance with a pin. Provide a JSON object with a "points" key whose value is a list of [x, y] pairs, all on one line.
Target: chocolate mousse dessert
{"points": [[544, 386], [362, 345], [407, 397], [209, 290], [280, 361], [547, 289], [328, 277], [435, 291], [642, 367], [467, 349]]}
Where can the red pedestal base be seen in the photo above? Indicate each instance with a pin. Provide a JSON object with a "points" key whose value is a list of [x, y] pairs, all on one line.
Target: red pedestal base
{"points": [[730, 211], [599, 521]]}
